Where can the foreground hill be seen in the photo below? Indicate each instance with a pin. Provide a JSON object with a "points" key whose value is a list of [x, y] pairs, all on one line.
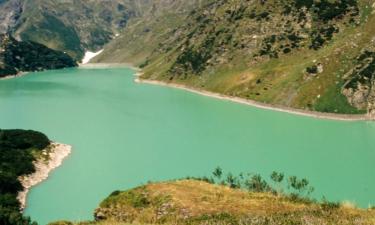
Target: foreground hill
{"points": [[198, 202], [26, 56]]}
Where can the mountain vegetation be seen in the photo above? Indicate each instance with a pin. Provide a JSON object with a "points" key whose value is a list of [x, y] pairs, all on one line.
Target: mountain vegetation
{"points": [[224, 199], [18, 149], [313, 55], [299, 54], [23, 56]]}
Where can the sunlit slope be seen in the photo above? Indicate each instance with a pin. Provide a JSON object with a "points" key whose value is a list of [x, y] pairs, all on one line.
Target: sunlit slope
{"points": [[196, 202], [145, 34], [293, 53]]}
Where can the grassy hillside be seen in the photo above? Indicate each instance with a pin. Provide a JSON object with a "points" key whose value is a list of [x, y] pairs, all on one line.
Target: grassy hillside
{"points": [[145, 34], [198, 202], [300, 54]]}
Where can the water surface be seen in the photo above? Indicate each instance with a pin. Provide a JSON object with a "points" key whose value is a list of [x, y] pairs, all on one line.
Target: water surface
{"points": [[125, 134]]}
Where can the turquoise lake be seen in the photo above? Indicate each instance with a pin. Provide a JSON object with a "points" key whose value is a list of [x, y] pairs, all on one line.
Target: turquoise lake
{"points": [[125, 134]]}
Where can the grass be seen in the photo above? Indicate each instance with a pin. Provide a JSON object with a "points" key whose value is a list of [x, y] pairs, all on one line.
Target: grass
{"points": [[282, 81], [198, 202]]}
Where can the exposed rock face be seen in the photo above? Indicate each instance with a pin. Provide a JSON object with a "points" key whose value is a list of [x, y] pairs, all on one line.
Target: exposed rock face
{"points": [[360, 85], [10, 12], [25, 56], [371, 102]]}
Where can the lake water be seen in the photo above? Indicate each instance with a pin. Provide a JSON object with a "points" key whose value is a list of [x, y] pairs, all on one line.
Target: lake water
{"points": [[124, 134]]}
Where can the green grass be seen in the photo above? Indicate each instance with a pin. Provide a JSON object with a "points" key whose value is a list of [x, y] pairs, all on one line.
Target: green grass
{"points": [[282, 81]]}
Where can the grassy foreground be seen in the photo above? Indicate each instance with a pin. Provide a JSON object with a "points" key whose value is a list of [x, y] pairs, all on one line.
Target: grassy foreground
{"points": [[199, 202]]}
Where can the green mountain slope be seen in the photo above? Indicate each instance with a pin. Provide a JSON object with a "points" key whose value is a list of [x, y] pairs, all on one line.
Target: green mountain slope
{"points": [[299, 54], [146, 33]]}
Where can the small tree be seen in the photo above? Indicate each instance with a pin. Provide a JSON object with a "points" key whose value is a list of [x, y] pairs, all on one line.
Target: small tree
{"points": [[277, 178], [300, 185], [257, 184], [232, 181], [218, 172]]}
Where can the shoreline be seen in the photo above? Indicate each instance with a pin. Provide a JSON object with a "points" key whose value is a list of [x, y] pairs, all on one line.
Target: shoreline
{"points": [[7, 77], [300, 112], [108, 65], [249, 102], [53, 156]]}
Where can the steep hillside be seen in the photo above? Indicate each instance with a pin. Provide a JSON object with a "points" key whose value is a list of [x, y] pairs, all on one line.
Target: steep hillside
{"points": [[75, 26], [27, 56], [72, 26], [314, 55], [145, 34], [197, 202], [9, 14]]}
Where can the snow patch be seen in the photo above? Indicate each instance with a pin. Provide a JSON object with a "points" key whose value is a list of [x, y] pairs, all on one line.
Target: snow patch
{"points": [[89, 55]]}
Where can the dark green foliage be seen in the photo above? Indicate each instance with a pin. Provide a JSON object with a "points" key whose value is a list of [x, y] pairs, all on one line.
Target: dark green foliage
{"points": [[312, 69], [328, 10], [232, 181], [115, 193], [277, 177], [218, 172], [21, 139], [299, 189], [299, 186], [321, 36], [16, 159], [257, 184], [325, 14], [30, 56], [304, 3], [194, 60]]}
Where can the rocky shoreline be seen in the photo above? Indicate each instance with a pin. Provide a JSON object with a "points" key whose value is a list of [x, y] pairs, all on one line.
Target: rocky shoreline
{"points": [[319, 115], [52, 157], [20, 74]]}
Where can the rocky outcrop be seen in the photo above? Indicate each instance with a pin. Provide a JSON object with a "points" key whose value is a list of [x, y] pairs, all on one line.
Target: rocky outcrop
{"points": [[360, 85], [371, 102], [51, 158], [10, 12]]}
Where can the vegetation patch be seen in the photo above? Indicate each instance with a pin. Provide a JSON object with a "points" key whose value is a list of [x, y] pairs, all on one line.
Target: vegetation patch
{"points": [[16, 159], [226, 199], [26, 56]]}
